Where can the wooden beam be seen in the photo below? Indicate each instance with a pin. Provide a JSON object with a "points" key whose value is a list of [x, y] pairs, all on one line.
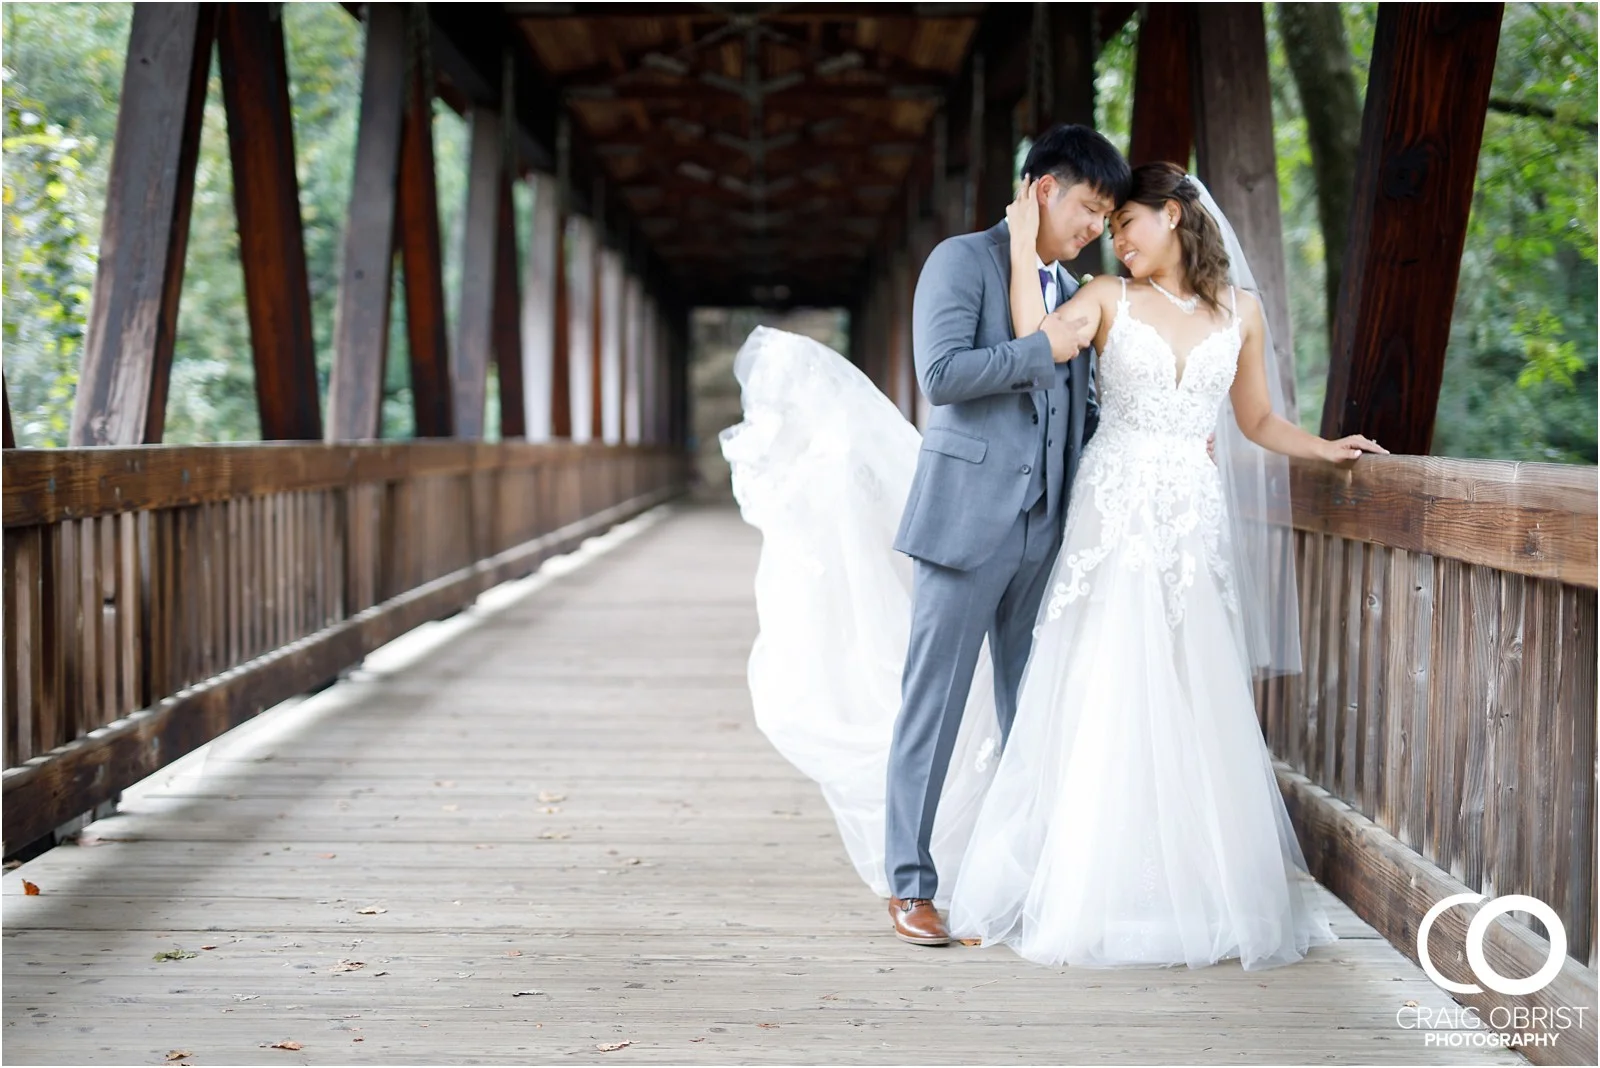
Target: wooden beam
{"points": [[127, 356], [361, 321], [1068, 84], [474, 324], [421, 256], [1235, 154], [599, 327], [561, 336], [580, 327], [508, 318], [633, 361], [1427, 95], [266, 196], [1527, 519], [538, 308], [1163, 111], [613, 312], [1073, 46], [1391, 887]]}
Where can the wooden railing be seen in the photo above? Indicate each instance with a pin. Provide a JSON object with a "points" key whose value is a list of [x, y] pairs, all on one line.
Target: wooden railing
{"points": [[157, 596], [1442, 736]]}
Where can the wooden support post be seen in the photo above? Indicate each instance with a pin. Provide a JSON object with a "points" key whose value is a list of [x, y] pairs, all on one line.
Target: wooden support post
{"points": [[474, 326], [432, 394], [539, 309], [1072, 41], [1235, 154], [561, 335], [10, 431], [361, 321], [1427, 95], [633, 377], [1068, 80], [580, 327], [127, 354], [613, 327], [1163, 112], [507, 318], [598, 326], [266, 196], [997, 178]]}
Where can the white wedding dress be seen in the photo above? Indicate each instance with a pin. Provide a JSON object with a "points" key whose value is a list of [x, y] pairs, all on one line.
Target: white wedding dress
{"points": [[1133, 817]]}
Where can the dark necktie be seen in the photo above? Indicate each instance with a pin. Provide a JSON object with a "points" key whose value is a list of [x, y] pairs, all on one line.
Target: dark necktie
{"points": [[1044, 286]]}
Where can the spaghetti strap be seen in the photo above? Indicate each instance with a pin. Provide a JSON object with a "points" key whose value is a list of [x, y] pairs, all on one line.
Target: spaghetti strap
{"points": [[1233, 296]]}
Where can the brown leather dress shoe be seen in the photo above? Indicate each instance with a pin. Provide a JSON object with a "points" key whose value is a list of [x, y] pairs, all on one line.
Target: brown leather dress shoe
{"points": [[918, 922]]}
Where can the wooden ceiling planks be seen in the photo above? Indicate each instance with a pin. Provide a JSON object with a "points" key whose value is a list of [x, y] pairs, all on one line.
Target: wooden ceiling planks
{"points": [[753, 137]]}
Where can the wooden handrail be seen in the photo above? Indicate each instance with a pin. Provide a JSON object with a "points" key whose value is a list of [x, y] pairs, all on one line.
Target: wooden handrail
{"points": [[157, 596], [49, 485], [1524, 518]]}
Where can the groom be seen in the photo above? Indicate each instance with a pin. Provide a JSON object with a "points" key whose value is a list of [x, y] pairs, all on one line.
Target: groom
{"points": [[984, 517]]}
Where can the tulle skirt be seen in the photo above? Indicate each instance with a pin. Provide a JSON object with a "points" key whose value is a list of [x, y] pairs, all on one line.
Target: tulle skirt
{"points": [[1133, 817]]}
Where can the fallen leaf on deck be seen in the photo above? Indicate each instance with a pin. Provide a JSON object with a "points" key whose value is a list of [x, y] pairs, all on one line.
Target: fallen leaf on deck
{"points": [[287, 1045], [635, 860], [376, 974], [549, 797], [768, 1025], [971, 941], [1410, 1003], [175, 954], [326, 856], [372, 910], [208, 947], [550, 810], [513, 952], [31, 889], [555, 834], [178, 1054], [358, 1039], [245, 997], [349, 965], [527, 993], [463, 975], [609, 1047], [702, 1038]]}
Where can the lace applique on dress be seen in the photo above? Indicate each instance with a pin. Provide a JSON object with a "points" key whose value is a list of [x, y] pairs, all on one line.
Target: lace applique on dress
{"points": [[1157, 493]]}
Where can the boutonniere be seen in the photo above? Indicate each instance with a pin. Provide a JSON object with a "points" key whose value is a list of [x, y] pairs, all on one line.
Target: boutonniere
{"points": [[1084, 279]]}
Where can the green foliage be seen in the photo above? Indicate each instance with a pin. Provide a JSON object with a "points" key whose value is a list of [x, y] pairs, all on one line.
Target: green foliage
{"points": [[1520, 377]]}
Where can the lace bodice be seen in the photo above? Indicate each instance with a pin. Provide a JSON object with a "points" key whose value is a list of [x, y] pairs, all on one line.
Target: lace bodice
{"points": [[1157, 496], [1139, 386]]}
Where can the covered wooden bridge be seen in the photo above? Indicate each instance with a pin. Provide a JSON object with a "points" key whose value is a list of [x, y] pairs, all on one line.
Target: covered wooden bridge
{"points": [[509, 804]]}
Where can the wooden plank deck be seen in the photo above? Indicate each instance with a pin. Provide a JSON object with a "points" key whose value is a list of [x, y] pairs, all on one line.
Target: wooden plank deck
{"points": [[578, 838]]}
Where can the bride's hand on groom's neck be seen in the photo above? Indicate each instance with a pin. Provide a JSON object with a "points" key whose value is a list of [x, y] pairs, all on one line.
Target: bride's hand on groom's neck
{"points": [[1022, 218]]}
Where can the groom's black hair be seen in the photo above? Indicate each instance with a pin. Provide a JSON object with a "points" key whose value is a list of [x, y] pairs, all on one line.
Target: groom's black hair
{"points": [[1079, 154]]}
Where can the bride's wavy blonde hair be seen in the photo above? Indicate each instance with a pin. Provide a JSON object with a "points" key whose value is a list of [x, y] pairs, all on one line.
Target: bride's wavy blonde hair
{"points": [[1204, 256]]}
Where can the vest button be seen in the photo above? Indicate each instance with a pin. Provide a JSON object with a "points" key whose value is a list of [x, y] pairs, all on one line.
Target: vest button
{"points": [[1027, 470]]}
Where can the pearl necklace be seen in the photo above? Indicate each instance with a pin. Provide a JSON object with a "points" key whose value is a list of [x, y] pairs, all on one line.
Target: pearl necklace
{"points": [[1186, 306]]}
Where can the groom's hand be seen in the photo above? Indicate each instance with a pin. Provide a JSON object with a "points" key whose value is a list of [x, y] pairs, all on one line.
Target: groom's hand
{"points": [[1066, 336]]}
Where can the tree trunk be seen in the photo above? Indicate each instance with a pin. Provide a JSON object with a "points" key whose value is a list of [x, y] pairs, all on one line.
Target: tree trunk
{"points": [[1319, 58]]}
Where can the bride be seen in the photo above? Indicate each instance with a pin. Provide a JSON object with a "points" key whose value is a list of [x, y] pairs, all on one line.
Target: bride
{"points": [[1133, 817]]}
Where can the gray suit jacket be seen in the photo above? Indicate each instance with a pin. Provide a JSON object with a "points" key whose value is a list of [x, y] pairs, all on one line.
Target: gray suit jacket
{"points": [[985, 388]]}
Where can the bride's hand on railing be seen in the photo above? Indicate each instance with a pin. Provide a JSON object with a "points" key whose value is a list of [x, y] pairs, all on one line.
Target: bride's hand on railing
{"points": [[1348, 448]]}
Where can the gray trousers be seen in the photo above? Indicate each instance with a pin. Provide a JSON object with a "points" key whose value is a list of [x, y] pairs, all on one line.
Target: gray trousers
{"points": [[951, 613]]}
